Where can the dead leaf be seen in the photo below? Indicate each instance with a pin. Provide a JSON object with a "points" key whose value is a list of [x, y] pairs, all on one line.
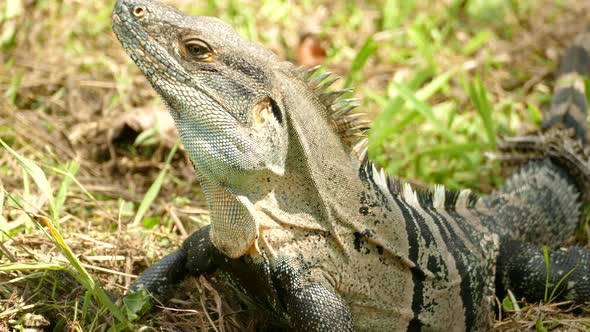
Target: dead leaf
{"points": [[310, 51]]}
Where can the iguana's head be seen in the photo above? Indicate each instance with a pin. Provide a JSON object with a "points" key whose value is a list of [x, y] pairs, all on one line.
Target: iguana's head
{"points": [[217, 86]]}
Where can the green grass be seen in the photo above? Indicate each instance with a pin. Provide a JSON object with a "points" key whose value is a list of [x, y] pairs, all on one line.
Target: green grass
{"points": [[56, 200], [441, 80]]}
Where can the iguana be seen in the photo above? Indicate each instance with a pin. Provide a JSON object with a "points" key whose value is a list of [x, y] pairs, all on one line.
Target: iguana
{"points": [[310, 231]]}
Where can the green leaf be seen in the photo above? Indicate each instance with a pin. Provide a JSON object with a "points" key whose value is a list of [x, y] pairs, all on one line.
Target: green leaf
{"points": [[389, 19], [535, 114], [150, 222], [136, 304], [70, 173], [71, 168], [456, 149], [507, 304], [539, 326], [32, 266], [3, 221], [395, 12], [15, 83], [86, 304], [547, 272], [513, 301], [126, 209], [79, 271], [147, 137], [587, 88], [553, 296], [9, 24], [383, 127]]}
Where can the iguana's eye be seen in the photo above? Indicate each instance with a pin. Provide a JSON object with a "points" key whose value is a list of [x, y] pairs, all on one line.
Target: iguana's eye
{"points": [[138, 11], [197, 49]]}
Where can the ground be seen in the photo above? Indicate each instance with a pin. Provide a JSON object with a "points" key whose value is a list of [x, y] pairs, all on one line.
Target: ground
{"points": [[442, 80]]}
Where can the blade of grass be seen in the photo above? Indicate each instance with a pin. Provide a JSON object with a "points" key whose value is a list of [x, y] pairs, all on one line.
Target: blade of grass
{"points": [[154, 189], [359, 61], [553, 296], [389, 18], [535, 113], [436, 84], [71, 176], [34, 171], [395, 12], [476, 42], [86, 305], [31, 266], [62, 192], [82, 274], [514, 301], [546, 259], [3, 221], [480, 99], [540, 326], [15, 84], [382, 127], [456, 149]]}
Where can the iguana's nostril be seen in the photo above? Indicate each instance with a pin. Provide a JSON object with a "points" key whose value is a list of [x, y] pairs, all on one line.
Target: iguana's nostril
{"points": [[138, 11]]}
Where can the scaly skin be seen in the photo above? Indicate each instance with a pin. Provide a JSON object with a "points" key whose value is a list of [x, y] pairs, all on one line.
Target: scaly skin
{"points": [[317, 238]]}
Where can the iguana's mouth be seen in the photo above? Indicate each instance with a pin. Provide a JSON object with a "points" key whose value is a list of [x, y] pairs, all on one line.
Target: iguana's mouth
{"points": [[137, 42]]}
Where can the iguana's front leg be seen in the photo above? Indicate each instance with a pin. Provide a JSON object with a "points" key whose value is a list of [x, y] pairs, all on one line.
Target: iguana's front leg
{"points": [[311, 306], [195, 257], [281, 285]]}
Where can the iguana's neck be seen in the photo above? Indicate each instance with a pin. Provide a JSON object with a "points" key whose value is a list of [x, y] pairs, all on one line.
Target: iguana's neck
{"points": [[317, 160], [321, 177], [319, 184]]}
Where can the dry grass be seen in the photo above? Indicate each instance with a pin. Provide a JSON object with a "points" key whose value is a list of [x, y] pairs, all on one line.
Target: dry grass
{"points": [[70, 94], [561, 316]]}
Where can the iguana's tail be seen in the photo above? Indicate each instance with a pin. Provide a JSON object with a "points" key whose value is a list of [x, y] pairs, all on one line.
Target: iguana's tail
{"points": [[564, 135], [552, 177], [569, 107], [541, 203]]}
